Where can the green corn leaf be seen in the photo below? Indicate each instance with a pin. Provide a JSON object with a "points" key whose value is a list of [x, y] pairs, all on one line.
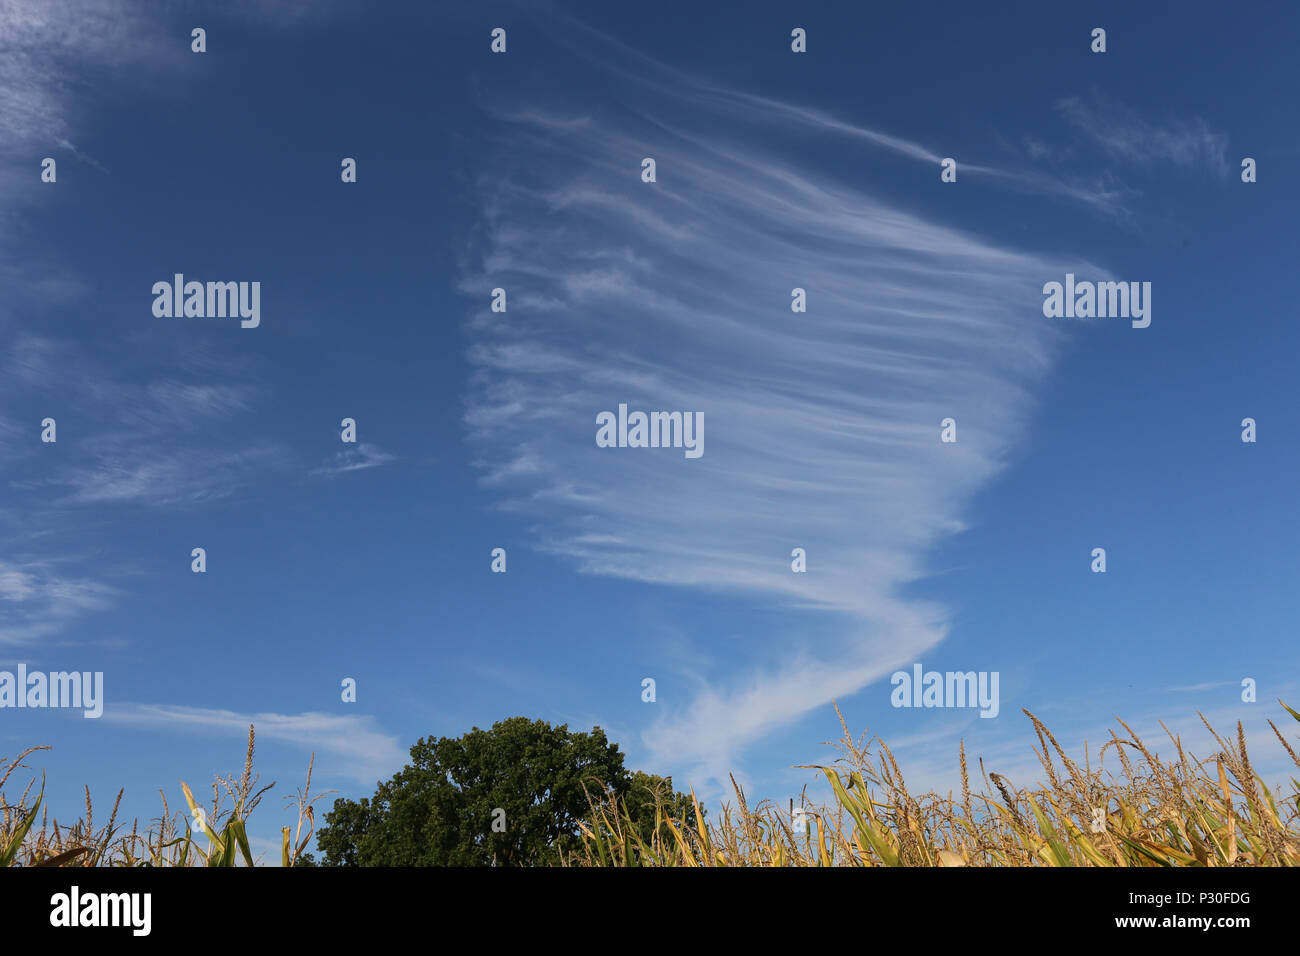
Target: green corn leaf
{"points": [[10, 852]]}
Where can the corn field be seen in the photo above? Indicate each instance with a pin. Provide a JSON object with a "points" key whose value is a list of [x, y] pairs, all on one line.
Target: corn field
{"points": [[207, 835], [1184, 812], [1142, 812]]}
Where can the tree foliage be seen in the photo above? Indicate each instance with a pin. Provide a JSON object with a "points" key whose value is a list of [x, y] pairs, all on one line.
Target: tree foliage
{"points": [[440, 809]]}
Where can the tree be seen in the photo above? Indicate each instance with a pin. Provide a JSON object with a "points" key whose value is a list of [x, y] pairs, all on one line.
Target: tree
{"points": [[508, 796], [341, 841]]}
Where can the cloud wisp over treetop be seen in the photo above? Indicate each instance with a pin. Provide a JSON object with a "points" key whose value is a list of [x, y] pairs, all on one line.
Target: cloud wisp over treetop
{"points": [[823, 427]]}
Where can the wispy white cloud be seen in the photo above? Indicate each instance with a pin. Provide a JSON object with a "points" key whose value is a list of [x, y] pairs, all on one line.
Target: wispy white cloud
{"points": [[37, 601], [1099, 193], [822, 429], [47, 48], [1038, 149], [355, 458], [142, 438], [1192, 688], [164, 476], [88, 160], [184, 403], [352, 746], [1125, 135]]}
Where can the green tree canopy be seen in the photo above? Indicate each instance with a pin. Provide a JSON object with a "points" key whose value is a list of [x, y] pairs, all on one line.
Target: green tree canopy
{"points": [[440, 809]]}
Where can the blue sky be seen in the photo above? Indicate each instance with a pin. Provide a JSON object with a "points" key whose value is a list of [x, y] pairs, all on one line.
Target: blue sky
{"points": [[476, 429]]}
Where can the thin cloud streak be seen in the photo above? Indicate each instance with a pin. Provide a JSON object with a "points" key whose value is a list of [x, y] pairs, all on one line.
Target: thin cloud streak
{"points": [[357, 458], [38, 602], [146, 441], [352, 746], [1125, 135], [615, 57]]}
